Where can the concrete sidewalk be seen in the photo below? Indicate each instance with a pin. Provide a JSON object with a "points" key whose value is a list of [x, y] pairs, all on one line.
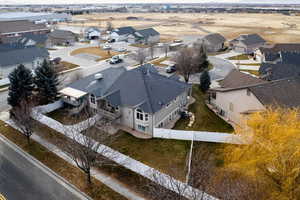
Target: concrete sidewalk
{"points": [[102, 177]]}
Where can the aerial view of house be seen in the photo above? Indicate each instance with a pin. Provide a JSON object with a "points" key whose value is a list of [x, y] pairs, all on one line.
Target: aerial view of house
{"points": [[152, 101], [122, 33], [213, 42], [61, 37]]}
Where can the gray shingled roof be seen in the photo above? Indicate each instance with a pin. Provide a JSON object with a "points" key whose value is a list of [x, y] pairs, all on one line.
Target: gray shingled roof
{"points": [[278, 71], [125, 30], [146, 33], [19, 26], [62, 34], [141, 87], [22, 55], [251, 39], [214, 38], [276, 48], [282, 92], [237, 79], [98, 87]]}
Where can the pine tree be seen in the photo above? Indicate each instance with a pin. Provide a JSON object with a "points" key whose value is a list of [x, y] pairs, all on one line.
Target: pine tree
{"points": [[21, 86], [46, 81], [204, 81]]}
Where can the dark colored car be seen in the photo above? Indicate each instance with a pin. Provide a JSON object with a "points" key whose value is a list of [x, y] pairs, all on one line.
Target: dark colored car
{"points": [[111, 40], [171, 69], [184, 114]]}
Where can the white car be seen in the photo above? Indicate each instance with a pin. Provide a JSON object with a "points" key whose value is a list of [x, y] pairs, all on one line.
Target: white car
{"points": [[106, 47], [121, 49]]}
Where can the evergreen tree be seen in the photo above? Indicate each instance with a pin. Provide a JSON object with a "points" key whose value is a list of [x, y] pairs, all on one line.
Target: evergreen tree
{"points": [[204, 81], [46, 81], [21, 86]]}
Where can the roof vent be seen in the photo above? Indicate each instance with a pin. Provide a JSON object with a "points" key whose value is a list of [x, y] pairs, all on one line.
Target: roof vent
{"points": [[98, 76]]}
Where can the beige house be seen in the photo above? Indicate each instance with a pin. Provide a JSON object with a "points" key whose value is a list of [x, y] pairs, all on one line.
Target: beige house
{"points": [[140, 99], [247, 43], [241, 94]]}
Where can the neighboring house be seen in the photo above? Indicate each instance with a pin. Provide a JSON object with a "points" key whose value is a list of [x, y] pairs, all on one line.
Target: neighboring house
{"points": [[247, 43], [11, 57], [121, 34], [213, 42], [241, 94], [145, 36], [92, 33], [271, 53], [28, 39], [140, 99], [287, 65], [11, 29], [61, 37]]}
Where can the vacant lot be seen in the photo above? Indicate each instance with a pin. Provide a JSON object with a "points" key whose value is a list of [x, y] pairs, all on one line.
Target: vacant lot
{"points": [[273, 27], [104, 54]]}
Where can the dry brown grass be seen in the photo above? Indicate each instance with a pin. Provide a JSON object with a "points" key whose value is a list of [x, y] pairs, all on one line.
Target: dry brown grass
{"points": [[60, 166], [158, 62], [104, 54], [273, 27]]}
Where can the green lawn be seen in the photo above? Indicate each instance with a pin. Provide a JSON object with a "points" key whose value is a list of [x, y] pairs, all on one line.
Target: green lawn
{"points": [[206, 120], [239, 57], [168, 156], [74, 175], [250, 64]]}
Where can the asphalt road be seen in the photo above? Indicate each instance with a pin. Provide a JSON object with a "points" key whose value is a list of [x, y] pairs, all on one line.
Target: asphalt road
{"points": [[20, 179]]}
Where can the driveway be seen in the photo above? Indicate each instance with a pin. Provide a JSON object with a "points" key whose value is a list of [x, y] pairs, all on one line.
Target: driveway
{"points": [[221, 68]]}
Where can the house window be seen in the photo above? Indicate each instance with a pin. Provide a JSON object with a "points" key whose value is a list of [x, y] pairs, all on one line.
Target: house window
{"points": [[93, 99], [140, 115], [142, 128], [231, 107], [248, 92]]}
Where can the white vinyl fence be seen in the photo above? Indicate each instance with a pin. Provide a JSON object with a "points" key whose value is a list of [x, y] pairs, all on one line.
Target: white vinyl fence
{"points": [[128, 162], [197, 136], [49, 107]]}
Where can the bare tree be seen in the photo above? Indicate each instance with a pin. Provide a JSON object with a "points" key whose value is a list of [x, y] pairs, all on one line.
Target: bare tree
{"points": [[75, 76], [140, 56], [21, 116], [152, 49], [185, 64], [85, 144], [166, 48]]}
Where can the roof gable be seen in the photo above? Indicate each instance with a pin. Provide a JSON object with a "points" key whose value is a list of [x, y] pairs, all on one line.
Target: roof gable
{"points": [[146, 33], [214, 38], [124, 30]]}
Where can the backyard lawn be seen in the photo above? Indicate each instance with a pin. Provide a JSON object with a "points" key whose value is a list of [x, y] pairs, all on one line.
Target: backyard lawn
{"points": [[72, 174], [239, 57], [62, 116], [205, 119], [104, 54], [63, 66], [250, 64], [169, 156]]}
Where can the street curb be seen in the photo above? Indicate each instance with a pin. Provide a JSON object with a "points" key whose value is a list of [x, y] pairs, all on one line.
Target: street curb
{"points": [[60, 180], [69, 70]]}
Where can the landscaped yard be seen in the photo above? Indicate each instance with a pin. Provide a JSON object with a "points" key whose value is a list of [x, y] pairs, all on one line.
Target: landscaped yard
{"points": [[250, 64], [72, 174], [63, 66], [239, 57], [169, 156], [104, 54], [205, 119]]}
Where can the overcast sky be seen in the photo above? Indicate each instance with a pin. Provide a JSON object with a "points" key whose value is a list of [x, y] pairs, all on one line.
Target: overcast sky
{"points": [[142, 1]]}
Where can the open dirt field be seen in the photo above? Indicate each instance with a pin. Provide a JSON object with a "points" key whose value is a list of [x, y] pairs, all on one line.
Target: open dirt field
{"points": [[273, 27]]}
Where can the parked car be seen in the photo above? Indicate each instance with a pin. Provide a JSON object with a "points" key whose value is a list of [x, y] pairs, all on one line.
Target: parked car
{"points": [[121, 49], [111, 40], [171, 69], [106, 47], [115, 60], [177, 41]]}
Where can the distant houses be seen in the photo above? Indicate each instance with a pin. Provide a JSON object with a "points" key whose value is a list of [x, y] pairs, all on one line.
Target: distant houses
{"points": [[14, 29], [92, 33], [12, 55], [61, 37], [213, 42], [131, 35], [247, 43]]}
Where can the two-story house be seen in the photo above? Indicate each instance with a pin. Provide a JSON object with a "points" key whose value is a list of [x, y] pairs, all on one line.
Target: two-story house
{"points": [[247, 43], [140, 99]]}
